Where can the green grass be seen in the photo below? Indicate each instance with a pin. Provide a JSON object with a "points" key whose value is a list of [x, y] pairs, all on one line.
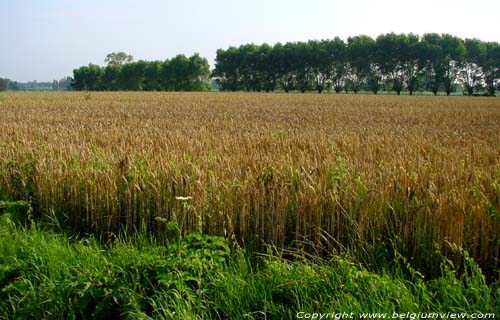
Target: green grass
{"points": [[46, 274]]}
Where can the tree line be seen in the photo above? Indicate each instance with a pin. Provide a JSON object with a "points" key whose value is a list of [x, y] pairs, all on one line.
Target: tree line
{"points": [[180, 73], [434, 62], [397, 62], [4, 84], [7, 84]]}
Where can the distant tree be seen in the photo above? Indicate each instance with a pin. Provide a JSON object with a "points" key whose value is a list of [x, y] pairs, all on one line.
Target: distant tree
{"points": [[338, 60], [491, 67], [433, 62], [131, 76], [118, 58], [14, 85], [87, 77], [286, 64], [302, 57], [472, 74], [453, 50], [399, 56], [266, 65], [4, 84], [247, 67], [390, 48], [199, 75], [227, 73], [63, 84], [320, 64], [186, 74], [360, 52], [152, 79], [110, 79], [411, 61], [176, 71]]}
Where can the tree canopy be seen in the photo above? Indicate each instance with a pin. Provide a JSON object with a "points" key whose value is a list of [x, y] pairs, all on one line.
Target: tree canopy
{"points": [[4, 84], [181, 73], [118, 58], [434, 62]]}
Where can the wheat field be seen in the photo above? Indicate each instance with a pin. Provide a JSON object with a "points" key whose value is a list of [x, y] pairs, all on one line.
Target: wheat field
{"points": [[362, 174]]}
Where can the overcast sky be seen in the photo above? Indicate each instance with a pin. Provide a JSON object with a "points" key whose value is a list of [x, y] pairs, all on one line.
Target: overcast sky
{"points": [[46, 40]]}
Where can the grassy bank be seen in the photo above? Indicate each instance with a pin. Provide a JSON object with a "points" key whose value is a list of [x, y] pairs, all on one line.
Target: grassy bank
{"points": [[45, 273]]}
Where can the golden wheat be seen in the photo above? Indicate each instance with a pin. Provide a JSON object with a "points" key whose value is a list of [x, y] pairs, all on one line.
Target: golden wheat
{"points": [[340, 171]]}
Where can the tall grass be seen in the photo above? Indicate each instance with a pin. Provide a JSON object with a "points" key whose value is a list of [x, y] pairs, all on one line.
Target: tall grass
{"points": [[365, 175], [46, 275]]}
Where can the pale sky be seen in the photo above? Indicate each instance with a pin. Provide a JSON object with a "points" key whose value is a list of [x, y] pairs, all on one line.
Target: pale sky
{"points": [[46, 40]]}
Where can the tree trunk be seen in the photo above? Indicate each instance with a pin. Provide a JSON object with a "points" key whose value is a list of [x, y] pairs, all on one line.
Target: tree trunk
{"points": [[491, 90], [470, 90]]}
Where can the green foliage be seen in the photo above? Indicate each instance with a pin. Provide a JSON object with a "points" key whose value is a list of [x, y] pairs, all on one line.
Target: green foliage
{"points": [[435, 62], [471, 76], [87, 77], [360, 52], [185, 74], [178, 74], [47, 275], [118, 58], [4, 84], [491, 66], [43, 275], [63, 84]]}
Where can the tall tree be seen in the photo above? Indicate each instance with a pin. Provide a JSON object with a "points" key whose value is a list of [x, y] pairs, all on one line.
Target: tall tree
{"points": [[320, 64], [131, 76], [390, 48], [152, 79], [248, 67], [472, 73], [186, 74], [302, 66], [4, 84], [410, 61], [392, 61], [453, 50], [286, 65], [361, 50], [110, 79], [87, 77], [118, 58], [226, 71], [491, 67], [337, 56], [433, 61], [199, 73], [266, 66]]}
